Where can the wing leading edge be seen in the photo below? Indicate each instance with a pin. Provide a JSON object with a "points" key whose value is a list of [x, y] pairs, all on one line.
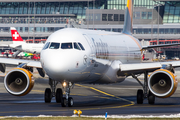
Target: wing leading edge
{"points": [[29, 63], [141, 67], [157, 46]]}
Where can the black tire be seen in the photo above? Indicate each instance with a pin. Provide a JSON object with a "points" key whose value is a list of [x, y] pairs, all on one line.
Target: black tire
{"points": [[140, 96], [47, 95], [59, 95], [63, 102], [151, 98], [70, 102]]}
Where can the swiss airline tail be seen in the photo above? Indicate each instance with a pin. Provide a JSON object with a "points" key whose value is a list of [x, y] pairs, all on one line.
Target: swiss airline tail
{"points": [[15, 35], [128, 18]]}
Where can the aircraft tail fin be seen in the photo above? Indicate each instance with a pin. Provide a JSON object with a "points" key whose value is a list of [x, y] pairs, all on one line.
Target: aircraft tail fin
{"points": [[15, 35], [128, 18]]}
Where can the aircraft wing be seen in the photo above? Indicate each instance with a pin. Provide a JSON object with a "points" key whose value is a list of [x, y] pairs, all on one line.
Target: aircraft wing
{"points": [[161, 45], [29, 63], [15, 46], [4, 45], [141, 67]]}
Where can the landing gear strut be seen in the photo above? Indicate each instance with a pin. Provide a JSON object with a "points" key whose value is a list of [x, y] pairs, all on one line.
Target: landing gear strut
{"points": [[140, 95]]}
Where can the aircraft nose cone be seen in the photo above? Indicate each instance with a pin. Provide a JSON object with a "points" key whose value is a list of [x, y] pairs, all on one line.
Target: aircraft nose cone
{"points": [[55, 62], [57, 66]]}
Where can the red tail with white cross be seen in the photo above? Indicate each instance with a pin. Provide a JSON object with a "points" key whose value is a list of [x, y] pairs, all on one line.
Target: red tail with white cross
{"points": [[15, 35]]}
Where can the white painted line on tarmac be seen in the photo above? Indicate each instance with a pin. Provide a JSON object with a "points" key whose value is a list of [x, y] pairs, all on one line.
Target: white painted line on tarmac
{"points": [[102, 116]]}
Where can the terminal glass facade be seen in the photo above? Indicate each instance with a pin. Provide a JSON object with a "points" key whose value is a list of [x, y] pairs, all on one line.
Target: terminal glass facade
{"points": [[77, 8], [171, 12], [121, 4]]}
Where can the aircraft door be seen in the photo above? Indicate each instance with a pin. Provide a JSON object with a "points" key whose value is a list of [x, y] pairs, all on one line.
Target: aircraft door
{"points": [[90, 42], [91, 62]]}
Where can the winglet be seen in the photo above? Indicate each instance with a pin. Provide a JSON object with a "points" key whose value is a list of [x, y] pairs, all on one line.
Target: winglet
{"points": [[128, 18], [15, 35]]}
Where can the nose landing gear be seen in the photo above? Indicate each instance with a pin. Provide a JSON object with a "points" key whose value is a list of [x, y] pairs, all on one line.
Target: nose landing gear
{"points": [[67, 100], [50, 93]]}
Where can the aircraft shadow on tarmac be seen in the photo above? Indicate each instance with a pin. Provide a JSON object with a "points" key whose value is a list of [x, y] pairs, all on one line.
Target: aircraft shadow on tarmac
{"points": [[83, 101]]}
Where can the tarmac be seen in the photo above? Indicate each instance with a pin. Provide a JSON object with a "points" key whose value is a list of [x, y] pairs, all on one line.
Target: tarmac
{"points": [[116, 99]]}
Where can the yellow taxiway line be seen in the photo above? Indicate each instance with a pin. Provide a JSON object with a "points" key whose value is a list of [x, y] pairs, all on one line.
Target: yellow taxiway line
{"points": [[131, 102]]}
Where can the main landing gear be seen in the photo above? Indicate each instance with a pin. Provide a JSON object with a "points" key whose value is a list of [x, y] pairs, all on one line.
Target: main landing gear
{"points": [[50, 93], [142, 94]]}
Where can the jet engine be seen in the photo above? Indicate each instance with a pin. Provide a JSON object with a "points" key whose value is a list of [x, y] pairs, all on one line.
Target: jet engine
{"points": [[18, 82], [162, 83]]}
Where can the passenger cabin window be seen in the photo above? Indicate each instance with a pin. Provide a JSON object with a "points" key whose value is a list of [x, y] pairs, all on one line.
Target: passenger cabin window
{"points": [[46, 45], [66, 46], [81, 46], [54, 45], [76, 46]]}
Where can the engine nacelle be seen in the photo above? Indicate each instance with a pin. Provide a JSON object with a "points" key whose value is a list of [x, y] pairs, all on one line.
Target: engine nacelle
{"points": [[18, 82], [162, 83]]}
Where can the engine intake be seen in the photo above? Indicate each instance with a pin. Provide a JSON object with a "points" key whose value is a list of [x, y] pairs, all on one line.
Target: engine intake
{"points": [[18, 82], [162, 83]]}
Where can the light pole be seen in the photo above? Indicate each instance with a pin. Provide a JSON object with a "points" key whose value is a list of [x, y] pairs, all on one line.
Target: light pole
{"points": [[93, 13], [158, 27], [88, 15], [152, 24], [34, 24], [28, 19]]}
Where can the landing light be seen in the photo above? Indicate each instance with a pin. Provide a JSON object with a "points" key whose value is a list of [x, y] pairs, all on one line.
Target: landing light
{"points": [[64, 84]]}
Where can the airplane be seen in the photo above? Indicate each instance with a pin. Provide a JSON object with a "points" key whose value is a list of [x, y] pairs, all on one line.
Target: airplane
{"points": [[20, 45], [73, 55]]}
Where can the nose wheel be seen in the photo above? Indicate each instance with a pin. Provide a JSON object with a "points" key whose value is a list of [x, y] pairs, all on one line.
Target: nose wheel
{"points": [[70, 102], [64, 102]]}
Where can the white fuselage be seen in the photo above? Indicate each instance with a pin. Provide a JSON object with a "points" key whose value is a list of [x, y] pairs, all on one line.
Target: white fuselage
{"points": [[104, 52], [27, 47]]}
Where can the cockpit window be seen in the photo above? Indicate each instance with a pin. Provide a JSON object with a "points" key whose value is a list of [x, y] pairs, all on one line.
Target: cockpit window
{"points": [[76, 46], [54, 45], [81, 46], [66, 46], [46, 45]]}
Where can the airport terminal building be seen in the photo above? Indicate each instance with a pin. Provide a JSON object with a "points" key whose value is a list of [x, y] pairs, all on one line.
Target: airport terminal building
{"points": [[37, 19]]}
